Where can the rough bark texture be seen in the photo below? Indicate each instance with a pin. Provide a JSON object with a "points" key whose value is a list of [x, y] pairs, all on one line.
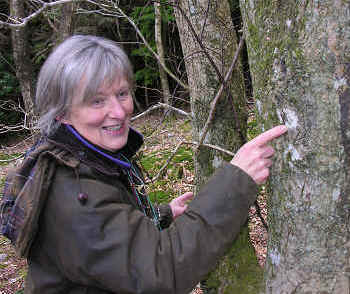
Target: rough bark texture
{"points": [[21, 56], [212, 22], [160, 51], [300, 63], [66, 26]]}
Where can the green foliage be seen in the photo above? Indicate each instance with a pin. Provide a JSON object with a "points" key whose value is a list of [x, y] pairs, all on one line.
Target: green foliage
{"points": [[239, 271], [8, 82], [9, 90], [155, 160], [144, 17], [5, 159], [160, 191]]}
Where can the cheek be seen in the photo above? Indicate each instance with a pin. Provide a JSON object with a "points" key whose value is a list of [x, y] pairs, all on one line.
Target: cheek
{"points": [[92, 118]]}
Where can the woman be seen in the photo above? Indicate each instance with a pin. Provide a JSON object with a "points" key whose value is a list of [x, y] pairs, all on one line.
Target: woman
{"points": [[76, 207]]}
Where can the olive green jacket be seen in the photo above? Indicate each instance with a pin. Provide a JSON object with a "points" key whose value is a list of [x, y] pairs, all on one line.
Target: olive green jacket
{"points": [[101, 243]]}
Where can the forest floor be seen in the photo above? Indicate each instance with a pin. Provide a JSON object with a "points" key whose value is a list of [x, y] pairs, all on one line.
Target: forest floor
{"points": [[161, 138]]}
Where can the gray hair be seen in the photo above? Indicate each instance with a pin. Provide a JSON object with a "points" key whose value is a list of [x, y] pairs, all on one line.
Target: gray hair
{"points": [[82, 63]]}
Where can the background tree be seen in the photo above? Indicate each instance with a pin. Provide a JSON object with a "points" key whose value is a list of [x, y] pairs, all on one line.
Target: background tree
{"points": [[67, 20], [160, 51], [209, 43], [22, 60], [300, 63]]}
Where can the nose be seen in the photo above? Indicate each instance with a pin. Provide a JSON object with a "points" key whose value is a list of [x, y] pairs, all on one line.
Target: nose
{"points": [[116, 109]]}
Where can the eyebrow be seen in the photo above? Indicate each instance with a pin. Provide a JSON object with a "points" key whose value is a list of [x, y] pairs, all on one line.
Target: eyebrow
{"points": [[120, 89]]}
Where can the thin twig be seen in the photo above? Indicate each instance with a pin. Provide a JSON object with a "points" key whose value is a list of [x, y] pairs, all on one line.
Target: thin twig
{"points": [[258, 212], [200, 43], [219, 93], [161, 105], [121, 12], [212, 147], [216, 69], [167, 162], [12, 159], [45, 5]]}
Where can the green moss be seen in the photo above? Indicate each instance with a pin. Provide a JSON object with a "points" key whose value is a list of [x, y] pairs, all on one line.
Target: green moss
{"points": [[238, 271], [153, 161], [159, 191], [6, 158], [160, 196], [186, 126]]}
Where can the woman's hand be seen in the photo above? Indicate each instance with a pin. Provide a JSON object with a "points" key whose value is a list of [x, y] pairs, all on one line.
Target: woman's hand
{"points": [[178, 205], [254, 156]]}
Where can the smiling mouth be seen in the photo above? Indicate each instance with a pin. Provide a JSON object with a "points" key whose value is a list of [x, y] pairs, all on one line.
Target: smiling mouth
{"points": [[114, 128]]}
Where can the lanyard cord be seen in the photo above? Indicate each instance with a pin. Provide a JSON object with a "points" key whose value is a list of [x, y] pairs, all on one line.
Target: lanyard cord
{"points": [[135, 179], [138, 188]]}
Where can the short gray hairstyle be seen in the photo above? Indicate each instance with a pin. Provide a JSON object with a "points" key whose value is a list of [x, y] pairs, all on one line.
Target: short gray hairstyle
{"points": [[81, 62]]}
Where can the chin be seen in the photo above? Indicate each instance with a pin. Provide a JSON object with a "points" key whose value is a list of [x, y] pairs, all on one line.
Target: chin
{"points": [[117, 146]]}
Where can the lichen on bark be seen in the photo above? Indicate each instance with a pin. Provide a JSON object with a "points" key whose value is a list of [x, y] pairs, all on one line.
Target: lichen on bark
{"points": [[305, 58]]}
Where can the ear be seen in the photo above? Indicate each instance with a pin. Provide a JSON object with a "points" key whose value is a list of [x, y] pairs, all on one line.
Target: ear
{"points": [[62, 119]]}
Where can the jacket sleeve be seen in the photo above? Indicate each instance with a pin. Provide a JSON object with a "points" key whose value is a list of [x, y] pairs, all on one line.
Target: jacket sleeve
{"points": [[110, 245]]}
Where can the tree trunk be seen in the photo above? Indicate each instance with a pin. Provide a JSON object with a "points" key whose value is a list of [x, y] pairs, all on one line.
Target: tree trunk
{"points": [[66, 25], [160, 51], [24, 68], [212, 23], [300, 63]]}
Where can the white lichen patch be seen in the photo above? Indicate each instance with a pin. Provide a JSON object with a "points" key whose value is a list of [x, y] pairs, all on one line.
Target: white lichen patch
{"points": [[340, 83], [258, 106], [294, 154], [279, 116], [292, 119], [217, 162], [275, 257], [288, 117], [336, 194]]}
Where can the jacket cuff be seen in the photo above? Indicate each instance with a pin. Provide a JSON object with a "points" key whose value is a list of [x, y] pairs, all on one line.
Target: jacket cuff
{"points": [[245, 179], [165, 215]]}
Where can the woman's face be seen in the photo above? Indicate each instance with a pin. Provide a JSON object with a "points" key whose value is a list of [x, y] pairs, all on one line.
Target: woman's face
{"points": [[104, 119]]}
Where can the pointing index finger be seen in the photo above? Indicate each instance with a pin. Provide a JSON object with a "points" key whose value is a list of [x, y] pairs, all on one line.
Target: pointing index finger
{"points": [[269, 135]]}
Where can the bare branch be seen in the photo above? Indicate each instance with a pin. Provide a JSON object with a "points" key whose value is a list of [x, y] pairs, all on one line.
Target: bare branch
{"points": [[200, 43], [175, 109], [121, 13], [12, 159], [211, 146], [11, 106], [167, 162], [161, 105], [218, 95], [21, 22], [173, 153]]}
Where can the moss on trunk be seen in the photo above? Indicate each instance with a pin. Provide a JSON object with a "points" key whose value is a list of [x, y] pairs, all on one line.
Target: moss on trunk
{"points": [[299, 58]]}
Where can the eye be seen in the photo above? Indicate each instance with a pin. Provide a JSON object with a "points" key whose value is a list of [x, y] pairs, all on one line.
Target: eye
{"points": [[97, 102], [123, 94]]}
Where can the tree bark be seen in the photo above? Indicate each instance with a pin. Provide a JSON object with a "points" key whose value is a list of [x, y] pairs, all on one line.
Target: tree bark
{"points": [[66, 25], [22, 60], [212, 23], [300, 63], [160, 51]]}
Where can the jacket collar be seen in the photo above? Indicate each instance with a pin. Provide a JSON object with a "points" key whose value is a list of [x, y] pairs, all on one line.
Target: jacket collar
{"points": [[94, 156]]}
